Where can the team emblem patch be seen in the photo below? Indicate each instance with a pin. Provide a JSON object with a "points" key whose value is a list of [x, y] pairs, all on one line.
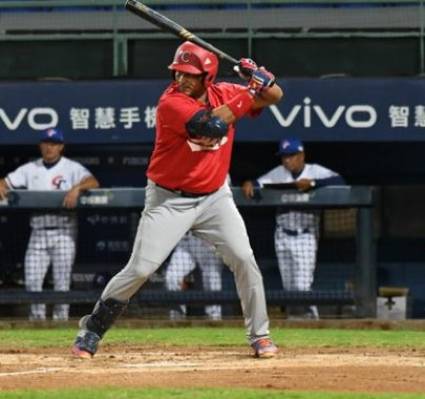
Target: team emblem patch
{"points": [[59, 182]]}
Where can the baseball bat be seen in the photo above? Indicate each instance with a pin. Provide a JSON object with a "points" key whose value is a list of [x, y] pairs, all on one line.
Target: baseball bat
{"points": [[154, 17]]}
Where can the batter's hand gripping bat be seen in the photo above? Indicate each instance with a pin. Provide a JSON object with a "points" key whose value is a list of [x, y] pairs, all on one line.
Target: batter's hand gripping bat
{"points": [[154, 17]]}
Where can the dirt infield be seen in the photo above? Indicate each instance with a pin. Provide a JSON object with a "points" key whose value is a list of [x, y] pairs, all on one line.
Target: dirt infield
{"points": [[168, 367]]}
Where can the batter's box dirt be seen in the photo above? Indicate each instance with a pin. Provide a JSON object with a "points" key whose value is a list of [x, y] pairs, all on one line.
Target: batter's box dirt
{"points": [[330, 369]]}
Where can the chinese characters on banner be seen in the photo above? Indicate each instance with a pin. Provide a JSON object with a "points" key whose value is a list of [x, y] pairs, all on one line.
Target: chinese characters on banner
{"points": [[401, 116], [105, 118]]}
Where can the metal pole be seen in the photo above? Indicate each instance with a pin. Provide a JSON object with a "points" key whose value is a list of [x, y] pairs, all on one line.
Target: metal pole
{"points": [[421, 37], [365, 285], [119, 43], [115, 44], [120, 56], [250, 33], [123, 56]]}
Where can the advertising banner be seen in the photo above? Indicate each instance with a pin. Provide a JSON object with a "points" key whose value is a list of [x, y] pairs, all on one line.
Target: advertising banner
{"points": [[124, 111]]}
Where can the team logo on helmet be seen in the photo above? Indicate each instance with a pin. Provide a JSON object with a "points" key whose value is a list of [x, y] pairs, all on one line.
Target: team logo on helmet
{"points": [[51, 132], [286, 144], [184, 56]]}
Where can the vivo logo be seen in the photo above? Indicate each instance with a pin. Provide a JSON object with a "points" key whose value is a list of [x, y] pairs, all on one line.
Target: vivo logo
{"points": [[358, 116], [36, 118]]}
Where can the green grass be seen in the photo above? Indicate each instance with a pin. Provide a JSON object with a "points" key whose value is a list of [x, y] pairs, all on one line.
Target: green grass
{"points": [[18, 338], [195, 394], [219, 336]]}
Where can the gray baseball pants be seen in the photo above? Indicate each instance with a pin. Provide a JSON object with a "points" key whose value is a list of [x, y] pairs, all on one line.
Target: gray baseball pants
{"points": [[166, 218]]}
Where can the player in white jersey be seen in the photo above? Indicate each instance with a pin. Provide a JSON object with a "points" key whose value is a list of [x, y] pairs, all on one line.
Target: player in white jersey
{"points": [[53, 235], [296, 234], [189, 252]]}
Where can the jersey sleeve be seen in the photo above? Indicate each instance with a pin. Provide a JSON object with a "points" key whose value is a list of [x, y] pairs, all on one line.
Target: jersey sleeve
{"points": [[233, 89], [320, 172], [80, 173], [270, 178], [19, 177], [175, 110]]}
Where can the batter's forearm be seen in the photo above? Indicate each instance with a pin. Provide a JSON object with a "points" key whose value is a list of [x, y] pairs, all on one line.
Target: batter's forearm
{"points": [[244, 102], [236, 107], [268, 97], [224, 113]]}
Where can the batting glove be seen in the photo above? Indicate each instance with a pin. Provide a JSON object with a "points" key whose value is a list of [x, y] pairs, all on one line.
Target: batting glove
{"points": [[245, 68], [261, 80]]}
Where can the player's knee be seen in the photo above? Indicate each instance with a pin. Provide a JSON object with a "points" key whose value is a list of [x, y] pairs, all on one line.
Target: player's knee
{"points": [[145, 269], [245, 264], [244, 259]]}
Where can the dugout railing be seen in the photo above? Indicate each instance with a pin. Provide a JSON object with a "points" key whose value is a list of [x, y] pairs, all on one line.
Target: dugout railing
{"points": [[359, 293]]}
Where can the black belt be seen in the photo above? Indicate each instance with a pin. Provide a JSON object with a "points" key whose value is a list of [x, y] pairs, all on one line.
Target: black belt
{"points": [[185, 194], [295, 232]]}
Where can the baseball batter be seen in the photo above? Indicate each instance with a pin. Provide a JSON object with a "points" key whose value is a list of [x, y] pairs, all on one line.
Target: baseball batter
{"points": [[187, 190], [53, 235], [296, 233], [192, 251]]}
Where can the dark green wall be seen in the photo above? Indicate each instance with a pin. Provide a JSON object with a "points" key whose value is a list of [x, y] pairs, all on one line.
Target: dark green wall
{"points": [[80, 59], [294, 57], [93, 59]]}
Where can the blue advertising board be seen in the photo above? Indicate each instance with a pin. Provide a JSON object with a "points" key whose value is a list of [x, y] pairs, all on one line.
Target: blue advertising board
{"points": [[124, 111]]}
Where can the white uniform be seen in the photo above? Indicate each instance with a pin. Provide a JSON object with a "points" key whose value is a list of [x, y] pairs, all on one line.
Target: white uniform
{"points": [[296, 233], [189, 252], [53, 235]]}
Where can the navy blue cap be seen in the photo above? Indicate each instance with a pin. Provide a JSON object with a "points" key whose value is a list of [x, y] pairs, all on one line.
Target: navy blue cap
{"points": [[53, 136], [290, 146]]}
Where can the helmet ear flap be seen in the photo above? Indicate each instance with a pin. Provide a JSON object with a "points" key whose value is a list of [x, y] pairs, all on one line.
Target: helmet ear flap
{"points": [[206, 79]]}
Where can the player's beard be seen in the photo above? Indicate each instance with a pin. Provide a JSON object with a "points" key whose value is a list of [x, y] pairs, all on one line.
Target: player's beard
{"points": [[194, 89], [191, 91], [186, 88]]}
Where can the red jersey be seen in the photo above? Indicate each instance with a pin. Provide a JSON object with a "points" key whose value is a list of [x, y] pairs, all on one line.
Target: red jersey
{"points": [[179, 164]]}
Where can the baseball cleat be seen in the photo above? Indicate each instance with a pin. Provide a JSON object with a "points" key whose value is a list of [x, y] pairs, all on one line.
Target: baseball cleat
{"points": [[264, 348], [81, 354], [85, 345]]}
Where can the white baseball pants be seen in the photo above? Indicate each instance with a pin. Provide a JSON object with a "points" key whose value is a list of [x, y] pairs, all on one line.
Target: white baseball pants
{"points": [[56, 247], [296, 255]]}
